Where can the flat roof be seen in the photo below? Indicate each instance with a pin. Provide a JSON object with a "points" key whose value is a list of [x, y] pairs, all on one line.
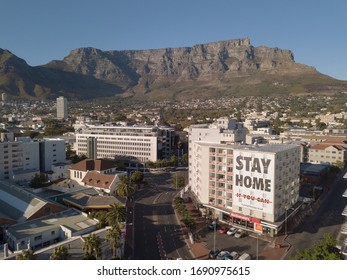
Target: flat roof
{"points": [[271, 148], [310, 168], [72, 219]]}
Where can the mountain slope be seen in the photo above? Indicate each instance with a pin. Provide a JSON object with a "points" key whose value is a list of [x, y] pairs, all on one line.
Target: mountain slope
{"points": [[232, 67]]}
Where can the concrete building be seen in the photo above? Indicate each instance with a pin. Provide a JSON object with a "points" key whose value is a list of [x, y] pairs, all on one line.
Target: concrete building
{"points": [[43, 232], [270, 178], [327, 153], [62, 108], [265, 185], [142, 143], [22, 158]]}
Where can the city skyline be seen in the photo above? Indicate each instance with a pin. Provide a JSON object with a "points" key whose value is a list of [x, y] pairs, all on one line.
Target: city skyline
{"points": [[44, 31]]}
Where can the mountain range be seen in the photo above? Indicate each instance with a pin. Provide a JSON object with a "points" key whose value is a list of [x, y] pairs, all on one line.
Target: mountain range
{"points": [[225, 68]]}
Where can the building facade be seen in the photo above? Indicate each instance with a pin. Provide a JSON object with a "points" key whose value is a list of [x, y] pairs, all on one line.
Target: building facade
{"points": [[62, 107], [21, 158], [229, 180], [142, 143], [327, 153]]}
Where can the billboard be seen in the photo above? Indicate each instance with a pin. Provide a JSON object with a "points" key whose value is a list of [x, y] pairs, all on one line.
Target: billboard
{"points": [[253, 180]]}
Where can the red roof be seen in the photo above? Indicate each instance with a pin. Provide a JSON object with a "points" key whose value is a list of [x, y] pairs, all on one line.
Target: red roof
{"points": [[93, 165], [102, 181]]}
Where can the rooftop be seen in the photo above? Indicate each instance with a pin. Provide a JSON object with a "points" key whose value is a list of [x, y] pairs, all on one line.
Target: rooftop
{"points": [[93, 164], [71, 219]]}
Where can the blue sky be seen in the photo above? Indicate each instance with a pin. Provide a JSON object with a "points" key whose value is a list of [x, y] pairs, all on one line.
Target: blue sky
{"points": [[42, 30]]}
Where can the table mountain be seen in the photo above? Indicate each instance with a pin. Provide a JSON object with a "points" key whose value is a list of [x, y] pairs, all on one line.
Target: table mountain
{"points": [[232, 67]]}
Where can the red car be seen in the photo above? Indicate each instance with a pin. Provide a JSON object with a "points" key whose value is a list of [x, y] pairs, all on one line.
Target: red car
{"points": [[223, 230]]}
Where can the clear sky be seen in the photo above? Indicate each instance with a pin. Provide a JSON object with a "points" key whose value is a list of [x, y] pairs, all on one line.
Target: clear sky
{"points": [[39, 31]]}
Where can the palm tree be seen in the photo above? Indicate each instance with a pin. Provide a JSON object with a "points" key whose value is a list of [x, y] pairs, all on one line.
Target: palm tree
{"points": [[92, 247], [115, 215], [26, 255], [113, 236], [60, 253], [125, 187]]}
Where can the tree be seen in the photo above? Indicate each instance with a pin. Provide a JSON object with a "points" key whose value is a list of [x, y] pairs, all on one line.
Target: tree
{"points": [[26, 255], [92, 247], [100, 216], [322, 250], [178, 181], [38, 181], [125, 187], [113, 236], [115, 215], [137, 177], [60, 253]]}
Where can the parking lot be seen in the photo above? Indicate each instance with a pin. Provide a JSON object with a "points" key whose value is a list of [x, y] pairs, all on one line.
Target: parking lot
{"points": [[246, 244]]}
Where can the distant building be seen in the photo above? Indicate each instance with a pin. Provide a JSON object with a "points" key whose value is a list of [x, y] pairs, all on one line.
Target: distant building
{"points": [[327, 153], [142, 143], [62, 107]]}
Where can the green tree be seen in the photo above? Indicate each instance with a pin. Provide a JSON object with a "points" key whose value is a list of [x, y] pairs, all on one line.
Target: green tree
{"points": [[26, 255], [100, 216], [125, 187], [60, 253], [76, 158], [115, 215], [113, 236], [137, 177], [322, 250], [38, 181], [92, 247], [178, 181]]}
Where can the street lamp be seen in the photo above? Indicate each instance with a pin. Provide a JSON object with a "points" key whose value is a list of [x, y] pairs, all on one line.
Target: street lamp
{"points": [[214, 236], [257, 246], [285, 223]]}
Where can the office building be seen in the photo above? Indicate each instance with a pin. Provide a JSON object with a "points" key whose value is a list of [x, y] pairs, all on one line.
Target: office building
{"points": [[142, 143], [62, 107]]}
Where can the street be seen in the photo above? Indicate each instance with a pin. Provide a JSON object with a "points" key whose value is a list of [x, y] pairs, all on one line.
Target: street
{"points": [[154, 216], [327, 219]]}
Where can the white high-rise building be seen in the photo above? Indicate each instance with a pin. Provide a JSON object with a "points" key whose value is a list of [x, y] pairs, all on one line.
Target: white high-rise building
{"points": [[62, 107], [142, 143], [22, 158], [250, 186]]}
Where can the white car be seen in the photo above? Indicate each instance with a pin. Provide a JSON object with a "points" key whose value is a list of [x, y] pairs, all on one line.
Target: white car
{"points": [[231, 231], [239, 233]]}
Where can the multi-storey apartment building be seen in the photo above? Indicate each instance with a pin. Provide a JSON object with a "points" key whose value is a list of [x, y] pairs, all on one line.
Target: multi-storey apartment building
{"points": [[268, 175], [265, 185], [327, 153], [22, 157], [142, 143]]}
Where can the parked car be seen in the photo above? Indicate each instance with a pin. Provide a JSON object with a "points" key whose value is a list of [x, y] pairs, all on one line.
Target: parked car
{"points": [[231, 231], [213, 225], [244, 256], [239, 233], [222, 255], [213, 254], [234, 255], [223, 230]]}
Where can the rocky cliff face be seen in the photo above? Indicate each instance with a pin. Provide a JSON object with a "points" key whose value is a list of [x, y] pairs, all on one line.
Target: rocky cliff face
{"points": [[205, 67]]}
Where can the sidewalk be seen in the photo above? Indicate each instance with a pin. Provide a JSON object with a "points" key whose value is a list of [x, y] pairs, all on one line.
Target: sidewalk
{"points": [[275, 250], [271, 251]]}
